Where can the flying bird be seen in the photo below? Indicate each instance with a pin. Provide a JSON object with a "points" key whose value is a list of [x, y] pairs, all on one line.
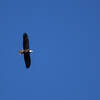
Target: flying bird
{"points": [[26, 50]]}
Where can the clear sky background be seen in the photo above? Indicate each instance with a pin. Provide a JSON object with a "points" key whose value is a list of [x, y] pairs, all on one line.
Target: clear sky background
{"points": [[65, 35]]}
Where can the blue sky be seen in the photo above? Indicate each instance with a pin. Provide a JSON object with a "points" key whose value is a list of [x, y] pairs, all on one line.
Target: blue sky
{"points": [[65, 35]]}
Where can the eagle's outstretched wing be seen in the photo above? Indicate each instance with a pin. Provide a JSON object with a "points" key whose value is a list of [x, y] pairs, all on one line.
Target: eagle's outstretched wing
{"points": [[25, 41], [27, 59], [26, 46]]}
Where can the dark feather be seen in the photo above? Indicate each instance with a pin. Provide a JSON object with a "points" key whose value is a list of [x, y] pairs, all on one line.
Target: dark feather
{"points": [[25, 41], [27, 59]]}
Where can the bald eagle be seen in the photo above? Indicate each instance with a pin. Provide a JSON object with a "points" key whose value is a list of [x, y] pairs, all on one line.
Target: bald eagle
{"points": [[26, 51]]}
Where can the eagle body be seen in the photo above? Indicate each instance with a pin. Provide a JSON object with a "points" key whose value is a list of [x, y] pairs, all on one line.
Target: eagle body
{"points": [[26, 51]]}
